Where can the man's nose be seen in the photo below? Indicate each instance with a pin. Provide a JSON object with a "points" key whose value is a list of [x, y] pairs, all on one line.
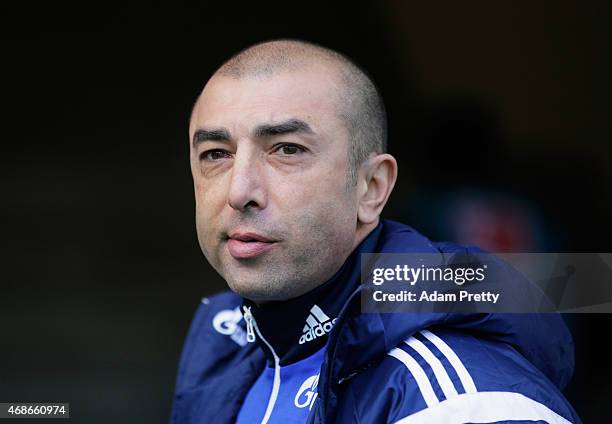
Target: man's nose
{"points": [[247, 185]]}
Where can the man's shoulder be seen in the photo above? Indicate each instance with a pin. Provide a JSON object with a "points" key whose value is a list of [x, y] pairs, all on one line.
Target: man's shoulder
{"points": [[439, 372], [398, 237]]}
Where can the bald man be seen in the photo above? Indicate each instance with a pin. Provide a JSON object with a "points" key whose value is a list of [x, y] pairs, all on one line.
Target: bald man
{"points": [[288, 156]]}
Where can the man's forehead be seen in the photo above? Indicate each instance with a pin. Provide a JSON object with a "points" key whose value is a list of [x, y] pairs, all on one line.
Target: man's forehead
{"points": [[312, 93]]}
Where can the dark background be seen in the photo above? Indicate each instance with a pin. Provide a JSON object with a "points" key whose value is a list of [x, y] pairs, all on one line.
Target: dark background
{"points": [[498, 113]]}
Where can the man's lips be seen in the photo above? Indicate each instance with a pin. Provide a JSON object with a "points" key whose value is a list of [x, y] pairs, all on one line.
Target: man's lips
{"points": [[248, 245]]}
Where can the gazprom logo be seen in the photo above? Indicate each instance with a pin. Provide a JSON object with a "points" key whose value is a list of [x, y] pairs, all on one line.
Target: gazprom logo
{"points": [[317, 324], [226, 322], [307, 393]]}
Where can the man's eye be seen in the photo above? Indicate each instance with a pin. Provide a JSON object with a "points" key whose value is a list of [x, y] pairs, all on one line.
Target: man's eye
{"points": [[214, 154], [289, 149]]}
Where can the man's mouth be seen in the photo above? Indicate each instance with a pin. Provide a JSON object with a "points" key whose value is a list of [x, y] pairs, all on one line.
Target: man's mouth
{"points": [[242, 245]]}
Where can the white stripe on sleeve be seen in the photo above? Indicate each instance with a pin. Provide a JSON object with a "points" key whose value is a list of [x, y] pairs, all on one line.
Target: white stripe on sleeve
{"points": [[438, 369], [462, 372], [419, 375], [485, 407]]}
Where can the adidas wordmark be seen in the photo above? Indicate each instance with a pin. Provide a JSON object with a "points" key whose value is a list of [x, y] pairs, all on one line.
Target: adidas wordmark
{"points": [[317, 324]]}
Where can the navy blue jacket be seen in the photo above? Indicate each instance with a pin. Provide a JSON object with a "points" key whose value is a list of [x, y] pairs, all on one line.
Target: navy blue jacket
{"points": [[388, 368]]}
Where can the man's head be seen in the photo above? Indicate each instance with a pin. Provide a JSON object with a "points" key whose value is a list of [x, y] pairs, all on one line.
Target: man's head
{"points": [[290, 175]]}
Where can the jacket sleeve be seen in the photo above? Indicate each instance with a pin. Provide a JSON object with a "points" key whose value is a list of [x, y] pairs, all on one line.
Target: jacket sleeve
{"points": [[449, 376]]}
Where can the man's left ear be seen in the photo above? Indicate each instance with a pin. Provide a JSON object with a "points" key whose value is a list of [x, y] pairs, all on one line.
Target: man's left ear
{"points": [[376, 180]]}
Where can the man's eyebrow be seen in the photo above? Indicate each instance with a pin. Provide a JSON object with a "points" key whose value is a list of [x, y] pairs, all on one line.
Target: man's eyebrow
{"points": [[286, 127], [264, 130], [218, 134]]}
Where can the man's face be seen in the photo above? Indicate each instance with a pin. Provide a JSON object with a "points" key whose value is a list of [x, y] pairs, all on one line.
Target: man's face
{"points": [[269, 161]]}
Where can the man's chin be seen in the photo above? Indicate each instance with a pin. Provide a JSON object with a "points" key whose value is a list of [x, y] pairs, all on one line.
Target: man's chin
{"points": [[261, 292]]}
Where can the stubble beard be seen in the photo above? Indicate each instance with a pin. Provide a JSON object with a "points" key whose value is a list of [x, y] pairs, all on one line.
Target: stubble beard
{"points": [[290, 271]]}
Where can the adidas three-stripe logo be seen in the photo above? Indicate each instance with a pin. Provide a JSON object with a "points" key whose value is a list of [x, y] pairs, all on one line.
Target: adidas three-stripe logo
{"points": [[317, 324], [439, 371], [472, 406]]}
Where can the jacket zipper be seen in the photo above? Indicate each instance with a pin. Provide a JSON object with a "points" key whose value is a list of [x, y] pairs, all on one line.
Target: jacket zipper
{"points": [[252, 328]]}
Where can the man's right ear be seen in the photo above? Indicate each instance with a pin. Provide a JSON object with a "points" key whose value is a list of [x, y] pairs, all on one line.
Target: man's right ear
{"points": [[377, 179]]}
